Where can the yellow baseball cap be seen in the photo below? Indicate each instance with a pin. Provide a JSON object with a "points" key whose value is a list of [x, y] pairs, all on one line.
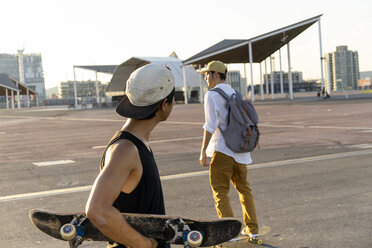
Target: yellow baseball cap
{"points": [[215, 65]]}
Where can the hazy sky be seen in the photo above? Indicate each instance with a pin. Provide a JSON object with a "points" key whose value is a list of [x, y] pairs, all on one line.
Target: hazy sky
{"points": [[77, 32]]}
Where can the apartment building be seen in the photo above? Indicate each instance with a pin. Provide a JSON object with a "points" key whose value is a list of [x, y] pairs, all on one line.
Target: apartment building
{"points": [[32, 68], [342, 69]]}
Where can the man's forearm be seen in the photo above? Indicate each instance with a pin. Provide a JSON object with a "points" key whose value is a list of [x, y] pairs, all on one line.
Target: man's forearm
{"points": [[203, 154], [206, 139], [112, 224]]}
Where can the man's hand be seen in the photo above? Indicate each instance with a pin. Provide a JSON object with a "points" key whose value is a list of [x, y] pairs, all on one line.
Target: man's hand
{"points": [[203, 159], [153, 243], [203, 154]]}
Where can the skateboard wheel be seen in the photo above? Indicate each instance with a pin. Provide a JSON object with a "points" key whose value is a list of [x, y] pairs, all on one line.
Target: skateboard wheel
{"points": [[68, 231], [259, 242], [194, 238]]}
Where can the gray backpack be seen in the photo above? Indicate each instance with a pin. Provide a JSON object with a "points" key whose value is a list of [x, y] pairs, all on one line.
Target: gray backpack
{"points": [[241, 134]]}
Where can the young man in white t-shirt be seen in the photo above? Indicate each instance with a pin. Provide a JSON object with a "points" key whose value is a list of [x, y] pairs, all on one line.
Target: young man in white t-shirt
{"points": [[225, 165]]}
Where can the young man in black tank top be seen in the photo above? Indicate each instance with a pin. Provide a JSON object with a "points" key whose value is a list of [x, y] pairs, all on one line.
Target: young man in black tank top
{"points": [[129, 180]]}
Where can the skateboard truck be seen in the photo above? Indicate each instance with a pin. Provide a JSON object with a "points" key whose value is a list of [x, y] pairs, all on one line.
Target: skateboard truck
{"points": [[74, 232], [191, 238], [255, 240]]}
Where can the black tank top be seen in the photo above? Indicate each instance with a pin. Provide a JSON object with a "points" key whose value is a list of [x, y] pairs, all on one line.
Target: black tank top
{"points": [[147, 197]]}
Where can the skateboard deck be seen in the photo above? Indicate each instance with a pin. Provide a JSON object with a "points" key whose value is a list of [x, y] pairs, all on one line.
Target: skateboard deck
{"points": [[76, 228], [242, 240]]}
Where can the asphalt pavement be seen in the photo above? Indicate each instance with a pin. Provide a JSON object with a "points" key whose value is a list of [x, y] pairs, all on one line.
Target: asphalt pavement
{"points": [[311, 177]]}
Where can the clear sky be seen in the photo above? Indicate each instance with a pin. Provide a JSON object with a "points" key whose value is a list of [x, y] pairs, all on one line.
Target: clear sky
{"points": [[92, 32]]}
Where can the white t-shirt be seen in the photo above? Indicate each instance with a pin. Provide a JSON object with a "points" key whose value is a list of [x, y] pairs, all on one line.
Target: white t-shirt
{"points": [[215, 112]]}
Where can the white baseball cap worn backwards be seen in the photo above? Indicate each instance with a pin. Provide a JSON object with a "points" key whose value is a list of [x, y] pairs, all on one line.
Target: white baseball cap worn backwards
{"points": [[145, 89]]}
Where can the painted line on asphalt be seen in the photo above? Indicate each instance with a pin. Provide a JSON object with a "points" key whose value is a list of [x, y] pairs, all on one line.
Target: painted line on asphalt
{"points": [[310, 159], [193, 123], [159, 141], [185, 175], [27, 117], [178, 139], [361, 146], [183, 122], [343, 128], [57, 162], [108, 120], [45, 193], [368, 129]]}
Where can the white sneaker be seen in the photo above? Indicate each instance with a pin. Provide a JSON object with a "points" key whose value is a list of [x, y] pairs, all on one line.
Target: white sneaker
{"points": [[254, 236], [246, 233]]}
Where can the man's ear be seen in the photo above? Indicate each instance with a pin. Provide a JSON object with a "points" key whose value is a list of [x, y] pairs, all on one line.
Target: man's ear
{"points": [[163, 103]]}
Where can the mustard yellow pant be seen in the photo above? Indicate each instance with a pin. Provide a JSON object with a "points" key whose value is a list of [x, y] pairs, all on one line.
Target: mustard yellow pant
{"points": [[223, 168]]}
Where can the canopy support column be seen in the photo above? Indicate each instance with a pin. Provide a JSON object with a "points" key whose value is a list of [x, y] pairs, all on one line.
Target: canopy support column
{"points": [[290, 83], [251, 61], [75, 91], [28, 98], [201, 94], [18, 100], [97, 92], [266, 78], [184, 83], [21, 75], [12, 98], [18, 97], [321, 55], [261, 84], [271, 78], [7, 98], [281, 74], [245, 90]]}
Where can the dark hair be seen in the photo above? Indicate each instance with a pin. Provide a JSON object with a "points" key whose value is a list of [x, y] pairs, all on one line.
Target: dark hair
{"points": [[169, 100], [222, 75]]}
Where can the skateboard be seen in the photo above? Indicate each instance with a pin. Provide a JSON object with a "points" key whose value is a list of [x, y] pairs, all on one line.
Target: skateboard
{"points": [[76, 228], [241, 240]]}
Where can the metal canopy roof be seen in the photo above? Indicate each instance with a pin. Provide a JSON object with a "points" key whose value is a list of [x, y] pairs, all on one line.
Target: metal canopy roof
{"points": [[98, 68], [237, 51], [11, 84], [6, 82], [123, 71]]}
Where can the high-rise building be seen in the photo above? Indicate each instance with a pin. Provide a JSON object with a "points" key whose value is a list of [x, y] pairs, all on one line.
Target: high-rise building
{"points": [[236, 82], [83, 89], [342, 69], [297, 81], [32, 70]]}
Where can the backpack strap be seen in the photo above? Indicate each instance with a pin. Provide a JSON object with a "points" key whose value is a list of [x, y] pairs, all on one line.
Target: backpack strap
{"points": [[249, 133], [248, 113], [250, 116], [222, 93]]}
